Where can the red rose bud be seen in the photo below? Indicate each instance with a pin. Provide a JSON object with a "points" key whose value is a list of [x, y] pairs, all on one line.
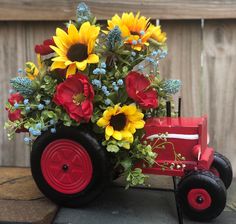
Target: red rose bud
{"points": [[44, 49], [137, 87], [75, 95], [15, 98], [15, 115]]}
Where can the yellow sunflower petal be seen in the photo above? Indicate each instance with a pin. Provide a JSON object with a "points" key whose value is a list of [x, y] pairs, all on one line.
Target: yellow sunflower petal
{"points": [[139, 124], [117, 135], [59, 43], [93, 58], [63, 36], [82, 65], [58, 51], [73, 34], [109, 130], [60, 58], [102, 122], [58, 64], [130, 109], [71, 70]]}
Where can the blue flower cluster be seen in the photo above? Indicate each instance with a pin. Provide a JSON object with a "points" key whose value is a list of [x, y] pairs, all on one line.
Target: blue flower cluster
{"points": [[97, 83], [114, 38], [105, 90], [83, 13], [116, 85], [100, 70], [172, 86]]}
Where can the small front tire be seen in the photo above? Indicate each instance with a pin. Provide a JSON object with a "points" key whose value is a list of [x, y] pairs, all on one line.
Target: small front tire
{"points": [[202, 195]]}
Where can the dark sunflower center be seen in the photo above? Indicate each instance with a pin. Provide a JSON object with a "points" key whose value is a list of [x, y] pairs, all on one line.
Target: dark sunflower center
{"points": [[134, 33], [77, 52], [118, 121]]}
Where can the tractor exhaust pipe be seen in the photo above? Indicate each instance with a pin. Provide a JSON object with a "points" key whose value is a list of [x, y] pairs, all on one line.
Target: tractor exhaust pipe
{"points": [[168, 109], [179, 107]]}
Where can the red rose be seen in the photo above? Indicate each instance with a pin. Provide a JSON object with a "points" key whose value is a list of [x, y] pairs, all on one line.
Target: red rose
{"points": [[15, 98], [75, 95], [44, 49], [15, 115], [138, 89]]}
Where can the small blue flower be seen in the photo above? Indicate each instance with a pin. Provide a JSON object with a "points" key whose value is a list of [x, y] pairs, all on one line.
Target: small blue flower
{"points": [[52, 122], [27, 140], [103, 65], [134, 42], [47, 101], [38, 126], [139, 41], [31, 129], [36, 132], [26, 101], [27, 109], [97, 83], [142, 32], [116, 88], [53, 130], [154, 53], [141, 67], [133, 53], [107, 93], [104, 89], [114, 84], [16, 105], [96, 71], [120, 82], [79, 20], [107, 102], [103, 71], [20, 71], [40, 106]]}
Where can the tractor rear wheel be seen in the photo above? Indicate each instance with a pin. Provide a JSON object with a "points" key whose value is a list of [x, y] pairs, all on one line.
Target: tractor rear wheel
{"points": [[202, 195], [222, 168], [70, 167]]}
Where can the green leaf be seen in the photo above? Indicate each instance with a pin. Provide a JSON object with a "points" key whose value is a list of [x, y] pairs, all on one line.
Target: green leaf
{"points": [[113, 148], [127, 163]]}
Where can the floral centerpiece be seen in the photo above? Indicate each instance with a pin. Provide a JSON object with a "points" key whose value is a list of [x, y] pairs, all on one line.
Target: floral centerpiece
{"points": [[104, 76]]}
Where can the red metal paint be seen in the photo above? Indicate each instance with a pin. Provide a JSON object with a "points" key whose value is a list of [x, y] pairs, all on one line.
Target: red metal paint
{"points": [[195, 151], [199, 199], [66, 166]]}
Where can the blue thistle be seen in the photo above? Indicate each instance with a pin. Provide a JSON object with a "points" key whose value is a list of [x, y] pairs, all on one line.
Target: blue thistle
{"points": [[172, 86], [114, 38], [83, 13], [22, 85]]}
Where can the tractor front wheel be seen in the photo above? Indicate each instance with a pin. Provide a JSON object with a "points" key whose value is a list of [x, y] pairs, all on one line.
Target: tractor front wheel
{"points": [[202, 195]]}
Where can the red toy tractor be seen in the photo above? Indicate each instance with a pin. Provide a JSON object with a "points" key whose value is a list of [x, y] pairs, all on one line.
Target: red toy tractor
{"points": [[71, 167]]}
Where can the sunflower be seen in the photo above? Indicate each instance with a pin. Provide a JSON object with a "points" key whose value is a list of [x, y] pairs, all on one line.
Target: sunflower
{"points": [[134, 29], [75, 48], [121, 122], [157, 34]]}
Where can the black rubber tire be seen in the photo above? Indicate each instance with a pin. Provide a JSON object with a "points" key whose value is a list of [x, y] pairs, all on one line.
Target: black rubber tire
{"points": [[224, 168], [209, 182], [101, 172]]}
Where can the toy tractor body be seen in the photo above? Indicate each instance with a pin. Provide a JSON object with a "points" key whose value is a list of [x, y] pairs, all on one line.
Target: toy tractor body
{"points": [[182, 149], [71, 167]]}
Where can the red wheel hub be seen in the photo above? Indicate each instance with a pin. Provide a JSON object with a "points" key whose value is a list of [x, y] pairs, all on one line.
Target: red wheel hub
{"points": [[66, 166], [199, 199]]}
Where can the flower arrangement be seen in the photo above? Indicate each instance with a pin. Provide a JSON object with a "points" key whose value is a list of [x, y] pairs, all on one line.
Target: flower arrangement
{"points": [[107, 77]]}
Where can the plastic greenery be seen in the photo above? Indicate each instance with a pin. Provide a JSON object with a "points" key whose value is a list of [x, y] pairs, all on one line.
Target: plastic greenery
{"points": [[106, 77]]}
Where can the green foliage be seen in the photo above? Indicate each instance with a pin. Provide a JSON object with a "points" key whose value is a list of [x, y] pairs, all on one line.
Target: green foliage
{"points": [[22, 85]]}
